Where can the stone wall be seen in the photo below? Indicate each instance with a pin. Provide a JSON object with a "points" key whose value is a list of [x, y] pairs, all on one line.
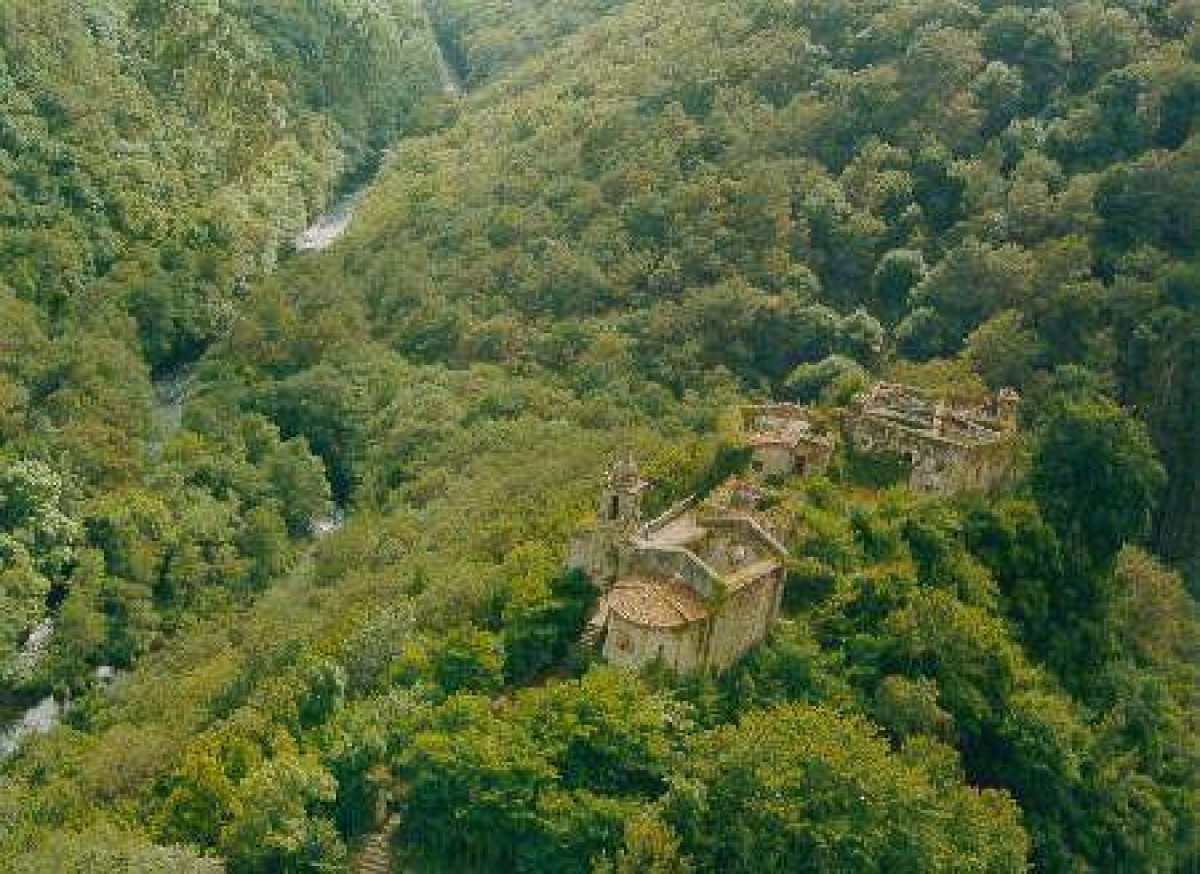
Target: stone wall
{"points": [[773, 461], [743, 621], [938, 466], [633, 646], [665, 562]]}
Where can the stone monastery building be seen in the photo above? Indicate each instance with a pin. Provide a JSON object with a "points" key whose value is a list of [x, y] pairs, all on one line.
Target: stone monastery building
{"points": [[693, 589], [700, 585], [784, 441], [951, 448]]}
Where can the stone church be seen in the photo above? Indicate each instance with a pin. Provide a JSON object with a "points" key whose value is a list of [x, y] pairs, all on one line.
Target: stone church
{"points": [[692, 589]]}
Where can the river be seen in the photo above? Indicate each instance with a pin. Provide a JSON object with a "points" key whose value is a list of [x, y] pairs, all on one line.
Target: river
{"points": [[43, 715], [328, 227], [452, 81], [331, 225], [38, 719], [170, 392]]}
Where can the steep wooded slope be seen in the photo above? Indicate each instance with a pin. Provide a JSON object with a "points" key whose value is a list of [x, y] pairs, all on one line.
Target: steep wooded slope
{"points": [[1012, 187], [155, 158], [160, 154], [627, 228]]}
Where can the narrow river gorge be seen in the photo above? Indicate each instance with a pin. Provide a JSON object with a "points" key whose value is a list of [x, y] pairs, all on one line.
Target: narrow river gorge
{"points": [[331, 225], [20, 721]]}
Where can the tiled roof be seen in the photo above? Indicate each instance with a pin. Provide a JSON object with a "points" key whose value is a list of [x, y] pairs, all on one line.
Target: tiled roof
{"points": [[657, 603]]}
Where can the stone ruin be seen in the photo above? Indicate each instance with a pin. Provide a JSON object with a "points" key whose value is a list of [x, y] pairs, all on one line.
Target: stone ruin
{"points": [[785, 441], [701, 584], [950, 447]]}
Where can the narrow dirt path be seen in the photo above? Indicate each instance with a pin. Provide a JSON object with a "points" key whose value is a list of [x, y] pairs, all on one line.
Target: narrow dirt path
{"points": [[375, 857]]}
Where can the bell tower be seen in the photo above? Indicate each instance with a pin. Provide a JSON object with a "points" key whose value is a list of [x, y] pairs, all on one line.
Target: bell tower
{"points": [[599, 550], [621, 499], [1007, 402]]}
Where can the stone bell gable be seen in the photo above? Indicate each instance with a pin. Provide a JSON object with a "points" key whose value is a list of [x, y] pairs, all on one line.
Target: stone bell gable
{"points": [[951, 447], [599, 547], [693, 589]]}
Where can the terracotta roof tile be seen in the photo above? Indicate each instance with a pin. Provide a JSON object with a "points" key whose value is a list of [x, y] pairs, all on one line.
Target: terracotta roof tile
{"points": [[657, 603]]}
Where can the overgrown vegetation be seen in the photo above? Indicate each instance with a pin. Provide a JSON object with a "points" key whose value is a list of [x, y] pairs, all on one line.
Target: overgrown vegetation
{"points": [[643, 214], [157, 160]]}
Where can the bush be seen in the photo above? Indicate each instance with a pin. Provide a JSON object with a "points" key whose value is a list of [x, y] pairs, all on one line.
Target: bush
{"points": [[834, 379]]}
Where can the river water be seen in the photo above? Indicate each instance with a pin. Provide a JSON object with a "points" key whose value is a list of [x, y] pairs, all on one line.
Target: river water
{"points": [[170, 391], [330, 226], [43, 716], [38, 719], [452, 83], [170, 394], [327, 228]]}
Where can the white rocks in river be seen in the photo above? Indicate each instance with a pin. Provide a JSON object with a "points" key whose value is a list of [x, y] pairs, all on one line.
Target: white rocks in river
{"points": [[328, 228], [34, 647], [35, 644], [324, 525], [38, 719]]}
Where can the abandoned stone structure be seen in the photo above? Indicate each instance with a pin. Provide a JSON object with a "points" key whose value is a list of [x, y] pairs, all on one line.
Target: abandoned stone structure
{"points": [[785, 441], [693, 589], [951, 448]]}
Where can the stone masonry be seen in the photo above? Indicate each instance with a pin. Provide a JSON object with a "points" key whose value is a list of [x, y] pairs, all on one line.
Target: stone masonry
{"points": [[693, 589], [951, 448]]}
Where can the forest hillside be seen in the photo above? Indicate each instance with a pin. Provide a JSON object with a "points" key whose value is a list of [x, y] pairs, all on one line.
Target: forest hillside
{"points": [[639, 216]]}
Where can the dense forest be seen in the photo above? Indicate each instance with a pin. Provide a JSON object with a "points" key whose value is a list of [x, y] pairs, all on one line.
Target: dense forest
{"points": [[639, 216]]}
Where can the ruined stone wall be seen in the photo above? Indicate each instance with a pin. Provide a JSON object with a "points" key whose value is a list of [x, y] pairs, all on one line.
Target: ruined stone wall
{"points": [[773, 461], [739, 527], [937, 467], [725, 551], [814, 459], [743, 621], [876, 435], [986, 468], [670, 563]]}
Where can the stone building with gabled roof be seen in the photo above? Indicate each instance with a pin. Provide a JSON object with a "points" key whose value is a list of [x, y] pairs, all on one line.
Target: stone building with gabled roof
{"points": [[783, 440], [693, 589]]}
